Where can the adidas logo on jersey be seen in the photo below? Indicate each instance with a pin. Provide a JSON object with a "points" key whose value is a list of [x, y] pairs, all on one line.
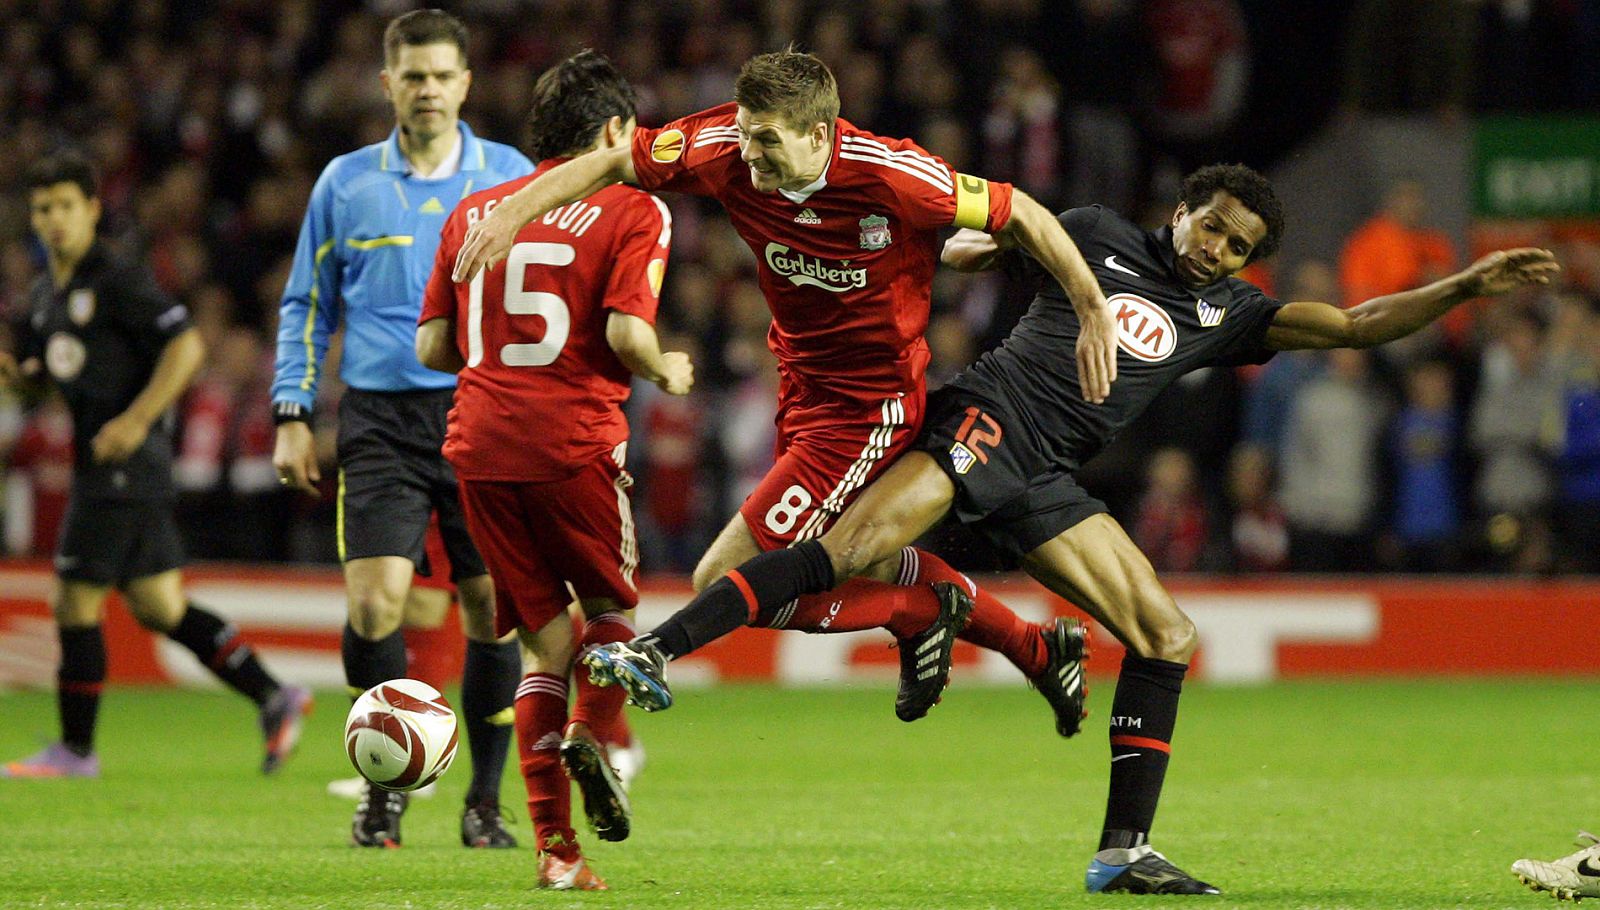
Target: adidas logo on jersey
{"points": [[432, 207], [807, 216]]}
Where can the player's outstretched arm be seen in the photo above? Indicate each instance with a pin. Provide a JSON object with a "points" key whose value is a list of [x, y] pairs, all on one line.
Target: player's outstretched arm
{"points": [[1034, 229], [637, 346], [1303, 325], [123, 434], [488, 241], [436, 346]]}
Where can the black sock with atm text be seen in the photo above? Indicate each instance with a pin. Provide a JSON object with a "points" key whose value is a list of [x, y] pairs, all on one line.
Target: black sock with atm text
{"points": [[1143, 715]]}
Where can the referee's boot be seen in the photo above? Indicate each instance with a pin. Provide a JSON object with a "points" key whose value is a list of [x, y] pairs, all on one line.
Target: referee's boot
{"points": [[1061, 683], [925, 657], [377, 819]]}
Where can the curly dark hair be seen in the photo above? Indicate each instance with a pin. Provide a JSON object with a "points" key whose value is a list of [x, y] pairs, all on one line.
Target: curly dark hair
{"points": [[1245, 185], [571, 103]]}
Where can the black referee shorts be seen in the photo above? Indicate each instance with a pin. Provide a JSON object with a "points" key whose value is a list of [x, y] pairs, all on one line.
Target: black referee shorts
{"points": [[392, 477], [1007, 491], [114, 541]]}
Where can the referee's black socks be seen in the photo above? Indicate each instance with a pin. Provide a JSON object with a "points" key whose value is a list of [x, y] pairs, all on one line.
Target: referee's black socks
{"points": [[759, 586], [367, 663], [488, 687]]}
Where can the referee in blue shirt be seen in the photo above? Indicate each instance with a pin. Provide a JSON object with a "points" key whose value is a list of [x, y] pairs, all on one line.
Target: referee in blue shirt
{"points": [[365, 250]]}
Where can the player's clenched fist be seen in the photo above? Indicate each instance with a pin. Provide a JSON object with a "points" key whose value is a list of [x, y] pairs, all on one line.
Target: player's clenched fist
{"points": [[677, 373]]}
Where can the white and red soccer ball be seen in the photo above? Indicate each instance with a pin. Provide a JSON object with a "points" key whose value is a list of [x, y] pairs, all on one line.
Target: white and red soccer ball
{"points": [[401, 734]]}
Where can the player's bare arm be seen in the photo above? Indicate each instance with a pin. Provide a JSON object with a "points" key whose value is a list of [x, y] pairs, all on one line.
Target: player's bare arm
{"points": [[974, 251], [1036, 230], [489, 241], [637, 346], [1306, 325], [123, 434], [436, 346]]}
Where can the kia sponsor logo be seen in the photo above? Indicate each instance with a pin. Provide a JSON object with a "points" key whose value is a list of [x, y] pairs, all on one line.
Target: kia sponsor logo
{"points": [[802, 269], [1144, 330]]}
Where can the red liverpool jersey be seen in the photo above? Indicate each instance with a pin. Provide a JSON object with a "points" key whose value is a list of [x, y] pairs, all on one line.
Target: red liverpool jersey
{"points": [[542, 392], [847, 263]]}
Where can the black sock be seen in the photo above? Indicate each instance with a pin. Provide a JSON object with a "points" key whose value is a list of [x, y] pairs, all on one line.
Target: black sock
{"points": [[1143, 714], [224, 653], [488, 688], [79, 679], [770, 580], [367, 663]]}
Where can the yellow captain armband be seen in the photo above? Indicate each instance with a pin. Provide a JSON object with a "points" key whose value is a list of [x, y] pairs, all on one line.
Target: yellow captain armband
{"points": [[972, 202]]}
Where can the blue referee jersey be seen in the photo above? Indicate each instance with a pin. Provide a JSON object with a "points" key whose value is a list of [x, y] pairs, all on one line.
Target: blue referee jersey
{"points": [[366, 247]]}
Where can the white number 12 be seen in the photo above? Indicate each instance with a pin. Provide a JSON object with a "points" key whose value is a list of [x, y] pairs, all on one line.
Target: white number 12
{"points": [[519, 302]]}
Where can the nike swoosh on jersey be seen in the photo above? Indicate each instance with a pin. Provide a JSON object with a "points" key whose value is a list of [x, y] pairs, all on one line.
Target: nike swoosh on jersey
{"points": [[1111, 263]]}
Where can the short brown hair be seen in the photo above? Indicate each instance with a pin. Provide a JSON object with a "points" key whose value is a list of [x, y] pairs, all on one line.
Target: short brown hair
{"points": [[422, 27], [798, 87]]}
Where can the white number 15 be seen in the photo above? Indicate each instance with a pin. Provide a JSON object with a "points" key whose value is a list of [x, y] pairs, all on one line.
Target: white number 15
{"points": [[519, 302]]}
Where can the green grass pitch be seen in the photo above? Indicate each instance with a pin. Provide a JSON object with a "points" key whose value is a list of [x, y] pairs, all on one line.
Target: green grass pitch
{"points": [[1301, 795]]}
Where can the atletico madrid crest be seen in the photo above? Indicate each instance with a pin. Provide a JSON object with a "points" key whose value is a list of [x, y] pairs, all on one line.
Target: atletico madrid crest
{"points": [[874, 232]]}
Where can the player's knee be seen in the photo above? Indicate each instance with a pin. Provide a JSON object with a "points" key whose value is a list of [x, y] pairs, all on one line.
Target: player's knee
{"points": [[854, 546], [707, 572], [1174, 639], [375, 613]]}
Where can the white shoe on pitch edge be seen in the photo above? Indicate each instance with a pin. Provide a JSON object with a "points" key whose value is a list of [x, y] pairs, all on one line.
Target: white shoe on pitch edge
{"points": [[1571, 878]]}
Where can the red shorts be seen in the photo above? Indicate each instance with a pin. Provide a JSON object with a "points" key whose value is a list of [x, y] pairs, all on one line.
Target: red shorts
{"points": [[828, 450], [540, 537], [438, 560]]}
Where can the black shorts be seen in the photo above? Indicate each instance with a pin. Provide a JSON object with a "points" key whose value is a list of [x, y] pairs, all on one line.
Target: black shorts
{"points": [[392, 477], [114, 541], [1007, 491]]}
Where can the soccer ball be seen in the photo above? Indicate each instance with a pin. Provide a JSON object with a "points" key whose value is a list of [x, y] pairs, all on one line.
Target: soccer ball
{"points": [[401, 734]]}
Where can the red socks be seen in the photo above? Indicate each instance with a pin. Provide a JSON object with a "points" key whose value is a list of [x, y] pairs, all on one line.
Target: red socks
{"points": [[909, 606], [992, 625], [862, 603], [600, 707], [541, 709]]}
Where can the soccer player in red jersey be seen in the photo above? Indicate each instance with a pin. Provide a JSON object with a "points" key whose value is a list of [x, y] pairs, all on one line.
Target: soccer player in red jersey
{"points": [[546, 345], [844, 226]]}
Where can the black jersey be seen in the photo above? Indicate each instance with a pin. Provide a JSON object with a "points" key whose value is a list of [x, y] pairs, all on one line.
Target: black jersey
{"points": [[99, 339], [1164, 330]]}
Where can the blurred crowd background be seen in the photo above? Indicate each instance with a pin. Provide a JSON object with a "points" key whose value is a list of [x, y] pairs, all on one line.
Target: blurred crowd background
{"points": [[1474, 446]]}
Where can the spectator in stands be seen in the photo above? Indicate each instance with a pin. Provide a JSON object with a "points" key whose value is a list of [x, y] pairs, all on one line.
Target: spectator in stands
{"points": [[1423, 442], [1395, 250], [1272, 393], [1171, 526], [1329, 471], [1259, 532], [1578, 509], [1514, 424]]}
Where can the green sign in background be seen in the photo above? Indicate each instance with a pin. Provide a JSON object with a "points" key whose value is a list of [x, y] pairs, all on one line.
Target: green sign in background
{"points": [[1537, 167]]}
